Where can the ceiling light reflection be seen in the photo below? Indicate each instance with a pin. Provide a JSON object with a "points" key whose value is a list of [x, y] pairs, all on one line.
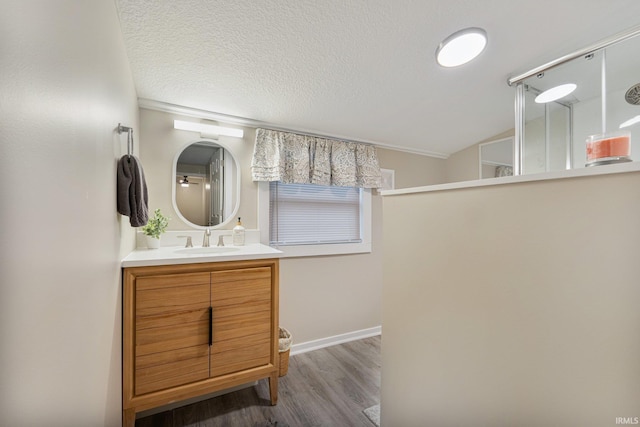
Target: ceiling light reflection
{"points": [[632, 121], [555, 93]]}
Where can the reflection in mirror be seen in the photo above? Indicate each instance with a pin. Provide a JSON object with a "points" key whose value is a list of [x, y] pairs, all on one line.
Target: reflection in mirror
{"points": [[206, 184], [496, 158]]}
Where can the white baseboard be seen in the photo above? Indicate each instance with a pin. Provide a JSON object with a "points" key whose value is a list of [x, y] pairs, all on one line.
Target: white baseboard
{"points": [[336, 339]]}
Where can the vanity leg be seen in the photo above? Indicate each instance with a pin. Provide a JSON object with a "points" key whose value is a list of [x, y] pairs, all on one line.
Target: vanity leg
{"points": [[129, 417], [273, 388]]}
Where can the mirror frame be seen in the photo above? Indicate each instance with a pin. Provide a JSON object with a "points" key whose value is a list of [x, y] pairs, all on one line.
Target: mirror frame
{"points": [[174, 168]]}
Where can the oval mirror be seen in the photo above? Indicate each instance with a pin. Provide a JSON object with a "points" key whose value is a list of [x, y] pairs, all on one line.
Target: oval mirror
{"points": [[206, 185]]}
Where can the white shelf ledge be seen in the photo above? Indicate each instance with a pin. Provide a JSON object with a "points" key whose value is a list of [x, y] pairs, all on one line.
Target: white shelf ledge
{"points": [[572, 173]]}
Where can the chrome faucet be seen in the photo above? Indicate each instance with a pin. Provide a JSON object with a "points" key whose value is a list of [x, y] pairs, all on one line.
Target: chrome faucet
{"points": [[205, 240], [189, 244], [221, 240]]}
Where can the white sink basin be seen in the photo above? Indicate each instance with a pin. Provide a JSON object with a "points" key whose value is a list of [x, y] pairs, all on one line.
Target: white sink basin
{"points": [[211, 250]]}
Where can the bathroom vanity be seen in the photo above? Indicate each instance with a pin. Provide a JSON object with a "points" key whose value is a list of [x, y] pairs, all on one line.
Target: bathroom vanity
{"points": [[196, 323]]}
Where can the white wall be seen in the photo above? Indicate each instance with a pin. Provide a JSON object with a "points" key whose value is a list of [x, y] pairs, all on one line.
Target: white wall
{"points": [[320, 297], [412, 170], [463, 165], [513, 305], [65, 84]]}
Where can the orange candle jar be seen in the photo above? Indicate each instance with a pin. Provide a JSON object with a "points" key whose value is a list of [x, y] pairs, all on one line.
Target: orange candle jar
{"points": [[609, 148]]}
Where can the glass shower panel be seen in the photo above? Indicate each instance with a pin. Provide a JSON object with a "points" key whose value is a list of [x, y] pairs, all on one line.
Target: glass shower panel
{"points": [[587, 109], [558, 118], [555, 132], [601, 114], [623, 91], [534, 154], [547, 135]]}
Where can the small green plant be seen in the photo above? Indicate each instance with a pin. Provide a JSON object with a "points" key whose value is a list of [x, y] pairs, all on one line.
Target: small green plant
{"points": [[156, 225]]}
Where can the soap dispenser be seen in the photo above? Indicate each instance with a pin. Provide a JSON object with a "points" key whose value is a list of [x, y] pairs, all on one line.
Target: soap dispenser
{"points": [[238, 234]]}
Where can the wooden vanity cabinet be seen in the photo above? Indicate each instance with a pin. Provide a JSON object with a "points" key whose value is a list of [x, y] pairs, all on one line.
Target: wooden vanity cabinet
{"points": [[193, 329]]}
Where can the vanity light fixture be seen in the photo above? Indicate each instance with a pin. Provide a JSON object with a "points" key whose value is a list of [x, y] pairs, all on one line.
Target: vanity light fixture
{"points": [[555, 93], [461, 47], [208, 129], [632, 121]]}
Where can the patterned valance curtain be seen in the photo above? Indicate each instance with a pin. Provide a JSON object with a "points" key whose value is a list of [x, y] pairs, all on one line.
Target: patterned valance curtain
{"points": [[302, 159]]}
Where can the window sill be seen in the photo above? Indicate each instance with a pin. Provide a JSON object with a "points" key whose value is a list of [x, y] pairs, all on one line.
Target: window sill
{"points": [[294, 251]]}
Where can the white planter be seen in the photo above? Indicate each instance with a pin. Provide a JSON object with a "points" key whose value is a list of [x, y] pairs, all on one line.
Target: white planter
{"points": [[152, 242]]}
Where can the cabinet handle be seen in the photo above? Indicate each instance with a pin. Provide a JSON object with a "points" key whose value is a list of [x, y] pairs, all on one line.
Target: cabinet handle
{"points": [[210, 326]]}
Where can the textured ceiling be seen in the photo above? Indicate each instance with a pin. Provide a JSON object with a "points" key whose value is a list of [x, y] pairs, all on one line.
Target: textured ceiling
{"points": [[362, 70]]}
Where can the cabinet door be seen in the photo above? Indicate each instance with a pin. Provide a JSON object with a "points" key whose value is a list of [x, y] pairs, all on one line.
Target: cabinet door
{"points": [[171, 330], [242, 329]]}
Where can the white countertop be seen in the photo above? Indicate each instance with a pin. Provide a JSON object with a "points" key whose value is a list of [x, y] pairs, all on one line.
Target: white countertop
{"points": [[168, 255]]}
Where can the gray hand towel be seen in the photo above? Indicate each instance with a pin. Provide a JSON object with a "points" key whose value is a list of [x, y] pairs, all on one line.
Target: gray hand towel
{"points": [[132, 191]]}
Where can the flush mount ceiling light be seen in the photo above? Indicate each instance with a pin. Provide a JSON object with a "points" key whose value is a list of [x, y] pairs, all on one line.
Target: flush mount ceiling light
{"points": [[461, 47], [632, 121], [555, 93], [208, 129]]}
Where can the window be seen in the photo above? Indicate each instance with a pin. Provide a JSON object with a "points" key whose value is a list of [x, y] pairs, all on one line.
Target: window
{"points": [[307, 214], [309, 219]]}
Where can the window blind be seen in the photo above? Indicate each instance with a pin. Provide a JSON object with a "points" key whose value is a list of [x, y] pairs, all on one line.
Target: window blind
{"points": [[307, 214]]}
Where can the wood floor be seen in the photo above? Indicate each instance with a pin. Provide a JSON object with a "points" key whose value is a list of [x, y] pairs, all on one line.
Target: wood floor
{"points": [[326, 387]]}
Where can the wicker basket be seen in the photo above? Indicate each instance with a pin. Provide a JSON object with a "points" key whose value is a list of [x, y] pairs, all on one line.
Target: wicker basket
{"points": [[284, 347]]}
